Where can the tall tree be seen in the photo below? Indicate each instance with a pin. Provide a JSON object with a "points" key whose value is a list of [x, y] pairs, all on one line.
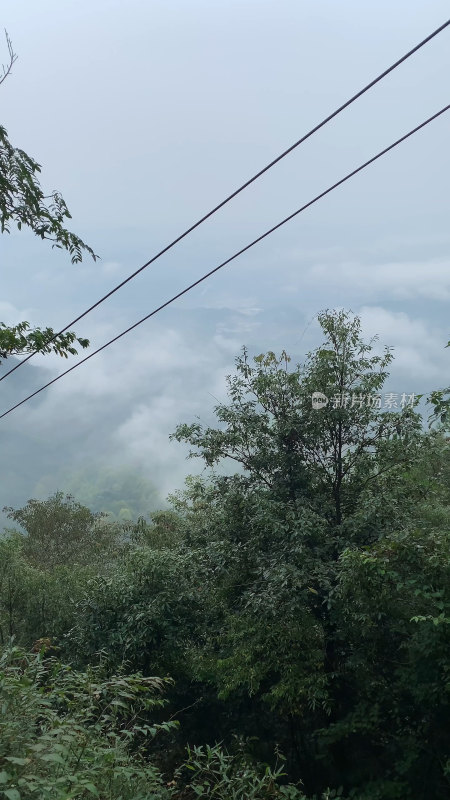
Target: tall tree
{"points": [[315, 434], [315, 480]]}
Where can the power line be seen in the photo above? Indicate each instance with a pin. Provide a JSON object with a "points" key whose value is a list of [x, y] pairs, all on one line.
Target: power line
{"points": [[233, 257], [238, 191]]}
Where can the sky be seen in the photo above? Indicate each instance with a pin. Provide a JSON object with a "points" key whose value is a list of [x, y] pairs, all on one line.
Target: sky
{"points": [[146, 115]]}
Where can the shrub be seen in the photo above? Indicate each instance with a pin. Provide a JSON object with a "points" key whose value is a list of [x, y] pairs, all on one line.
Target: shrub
{"points": [[67, 734]]}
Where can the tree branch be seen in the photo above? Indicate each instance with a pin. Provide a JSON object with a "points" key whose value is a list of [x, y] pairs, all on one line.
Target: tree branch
{"points": [[6, 70]]}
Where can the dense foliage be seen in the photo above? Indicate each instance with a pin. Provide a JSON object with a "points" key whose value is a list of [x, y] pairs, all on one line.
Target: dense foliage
{"points": [[73, 734], [300, 605]]}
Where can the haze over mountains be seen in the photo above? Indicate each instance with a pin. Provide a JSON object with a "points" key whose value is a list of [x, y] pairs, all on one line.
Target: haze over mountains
{"points": [[379, 245], [102, 432]]}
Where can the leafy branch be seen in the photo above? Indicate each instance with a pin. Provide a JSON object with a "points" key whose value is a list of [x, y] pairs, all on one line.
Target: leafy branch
{"points": [[22, 339]]}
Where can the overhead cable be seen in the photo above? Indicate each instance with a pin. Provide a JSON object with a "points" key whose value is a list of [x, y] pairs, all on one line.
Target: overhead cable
{"points": [[233, 257], [237, 191]]}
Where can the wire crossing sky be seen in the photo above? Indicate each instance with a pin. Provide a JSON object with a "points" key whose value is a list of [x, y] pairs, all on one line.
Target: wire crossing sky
{"points": [[236, 255], [230, 197]]}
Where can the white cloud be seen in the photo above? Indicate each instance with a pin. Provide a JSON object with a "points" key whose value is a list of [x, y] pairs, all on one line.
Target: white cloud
{"points": [[111, 267], [11, 315], [400, 280], [420, 357]]}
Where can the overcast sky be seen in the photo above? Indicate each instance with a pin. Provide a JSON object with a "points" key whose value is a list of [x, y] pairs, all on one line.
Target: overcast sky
{"points": [[145, 115]]}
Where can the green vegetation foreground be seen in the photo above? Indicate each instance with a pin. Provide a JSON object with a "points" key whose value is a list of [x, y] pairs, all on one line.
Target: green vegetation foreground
{"points": [[295, 612]]}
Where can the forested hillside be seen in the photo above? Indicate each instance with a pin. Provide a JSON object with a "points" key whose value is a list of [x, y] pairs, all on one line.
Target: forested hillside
{"points": [[279, 625], [281, 631]]}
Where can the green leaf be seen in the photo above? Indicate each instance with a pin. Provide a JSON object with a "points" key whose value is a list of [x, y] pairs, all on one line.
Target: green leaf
{"points": [[54, 758], [90, 788], [12, 794]]}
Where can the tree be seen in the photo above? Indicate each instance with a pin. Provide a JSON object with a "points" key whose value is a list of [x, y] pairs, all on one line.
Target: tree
{"points": [[440, 401], [35, 602], [62, 531], [391, 607], [324, 459], [313, 484], [24, 204]]}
